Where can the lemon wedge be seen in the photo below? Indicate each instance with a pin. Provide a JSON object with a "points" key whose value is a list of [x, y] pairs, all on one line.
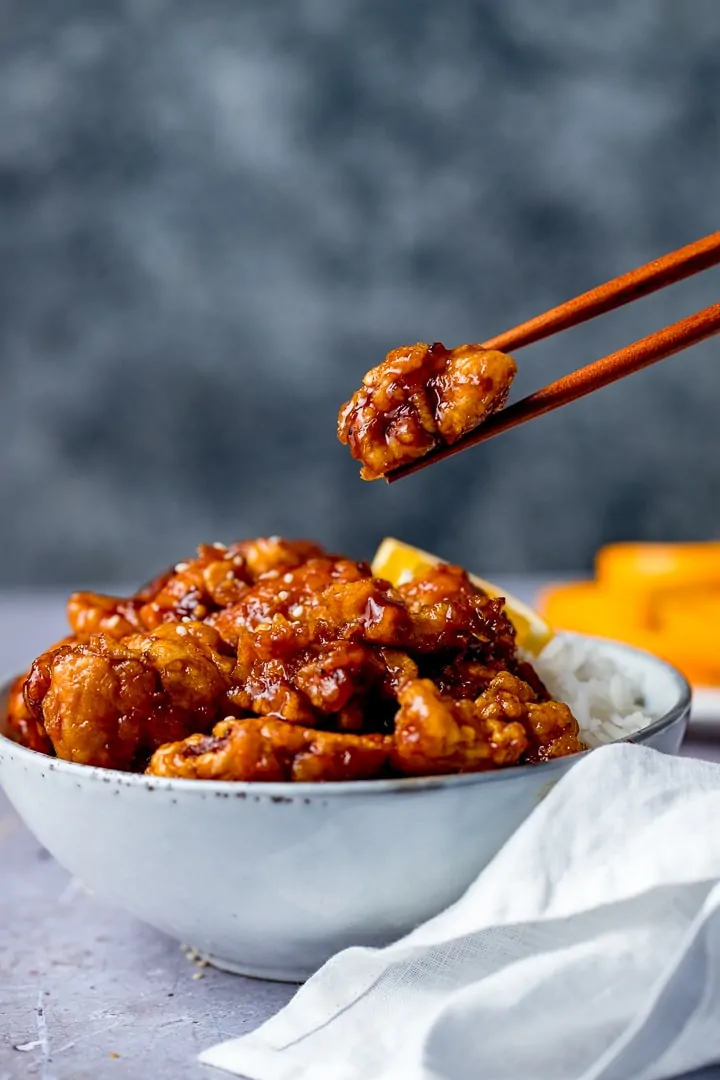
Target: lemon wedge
{"points": [[399, 563]]}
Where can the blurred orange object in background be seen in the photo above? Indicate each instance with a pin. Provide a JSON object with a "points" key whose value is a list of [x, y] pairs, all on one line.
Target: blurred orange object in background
{"points": [[661, 597]]}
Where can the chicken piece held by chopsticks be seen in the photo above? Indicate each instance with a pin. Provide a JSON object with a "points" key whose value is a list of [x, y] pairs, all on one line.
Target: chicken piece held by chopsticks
{"points": [[420, 397]]}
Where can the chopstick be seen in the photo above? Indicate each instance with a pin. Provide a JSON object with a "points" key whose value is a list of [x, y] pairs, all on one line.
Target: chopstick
{"points": [[648, 350], [668, 270]]}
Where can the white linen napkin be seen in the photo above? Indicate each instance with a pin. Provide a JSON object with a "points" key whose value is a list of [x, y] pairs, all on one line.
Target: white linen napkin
{"points": [[589, 949]]}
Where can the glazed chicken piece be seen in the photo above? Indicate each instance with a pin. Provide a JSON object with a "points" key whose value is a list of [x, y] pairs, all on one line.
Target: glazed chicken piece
{"points": [[351, 647], [20, 724], [291, 591], [451, 612], [551, 728], [218, 577], [373, 611], [112, 703], [268, 554], [369, 610], [435, 734], [422, 396], [446, 604], [470, 673], [440, 582], [91, 613], [285, 669], [327, 661], [272, 750]]}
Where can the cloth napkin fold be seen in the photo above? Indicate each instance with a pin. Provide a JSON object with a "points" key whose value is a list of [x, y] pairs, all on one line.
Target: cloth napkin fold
{"points": [[589, 949]]}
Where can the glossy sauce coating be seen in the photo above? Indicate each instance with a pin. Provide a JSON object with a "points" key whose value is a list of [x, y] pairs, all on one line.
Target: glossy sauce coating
{"points": [[271, 659], [422, 396]]}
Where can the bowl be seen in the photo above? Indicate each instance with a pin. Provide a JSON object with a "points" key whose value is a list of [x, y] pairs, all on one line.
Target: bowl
{"points": [[271, 879]]}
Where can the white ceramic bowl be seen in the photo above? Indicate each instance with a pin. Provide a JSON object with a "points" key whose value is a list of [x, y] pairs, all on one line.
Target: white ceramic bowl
{"points": [[272, 879]]}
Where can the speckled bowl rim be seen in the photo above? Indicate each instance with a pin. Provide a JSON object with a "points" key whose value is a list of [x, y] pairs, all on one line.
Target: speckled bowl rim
{"points": [[287, 790]]}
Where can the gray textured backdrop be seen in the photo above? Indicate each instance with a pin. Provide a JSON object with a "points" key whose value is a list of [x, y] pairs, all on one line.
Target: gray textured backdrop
{"points": [[215, 216]]}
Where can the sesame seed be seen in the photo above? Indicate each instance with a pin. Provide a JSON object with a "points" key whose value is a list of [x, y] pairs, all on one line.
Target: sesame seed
{"points": [[287, 578], [270, 575], [199, 975], [274, 539], [219, 546], [297, 611], [283, 595], [186, 618], [229, 576], [114, 620], [180, 566], [181, 630]]}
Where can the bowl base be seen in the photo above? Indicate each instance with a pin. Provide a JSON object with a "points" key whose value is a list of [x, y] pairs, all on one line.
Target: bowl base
{"points": [[268, 974]]}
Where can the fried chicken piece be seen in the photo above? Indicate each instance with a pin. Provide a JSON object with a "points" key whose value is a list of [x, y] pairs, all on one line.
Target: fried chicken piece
{"points": [[551, 728], [272, 750], [325, 658], [221, 576], [503, 726], [372, 611], [330, 652], [91, 613], [285, 670], [368, 610], [462, 676], [217, 578], [190, 591], [420, 397], [282, 593], [267, 554], [20, 724], [445, 600], [112, 703], [444, 581], [436, 734], [473, 622], [450, 612]]}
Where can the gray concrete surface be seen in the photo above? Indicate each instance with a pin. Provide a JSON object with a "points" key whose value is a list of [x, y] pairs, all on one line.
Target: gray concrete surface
{"points": [[88, 993]]}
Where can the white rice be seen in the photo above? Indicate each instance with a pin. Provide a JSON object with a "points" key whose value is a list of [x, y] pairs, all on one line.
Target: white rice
{"points": [[606, 699]]}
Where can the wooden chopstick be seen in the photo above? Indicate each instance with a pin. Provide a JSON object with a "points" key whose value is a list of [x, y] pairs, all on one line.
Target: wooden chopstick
{"points": [[678, 265], [648, 350]]}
